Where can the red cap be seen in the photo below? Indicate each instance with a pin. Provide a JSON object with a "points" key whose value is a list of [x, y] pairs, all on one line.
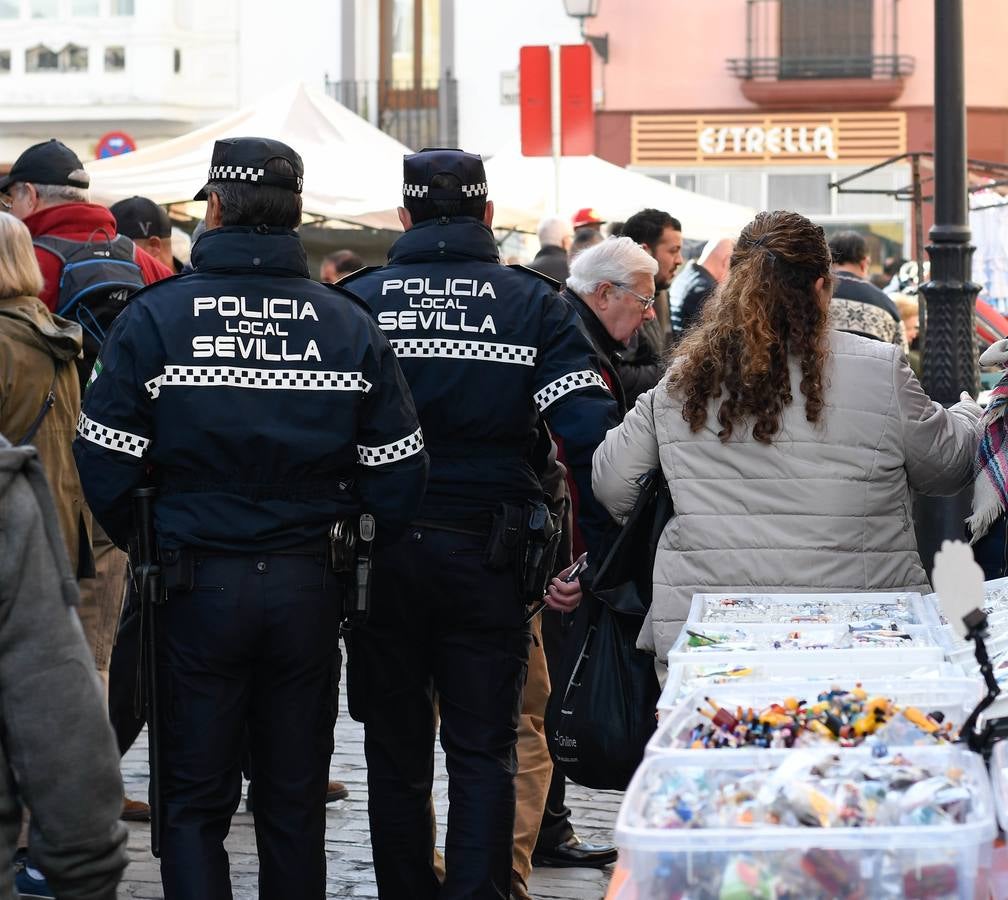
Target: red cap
{"points": [[586, 216]]}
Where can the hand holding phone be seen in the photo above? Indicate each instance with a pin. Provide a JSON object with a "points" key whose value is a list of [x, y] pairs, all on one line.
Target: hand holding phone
{"points": [[569, 578]]}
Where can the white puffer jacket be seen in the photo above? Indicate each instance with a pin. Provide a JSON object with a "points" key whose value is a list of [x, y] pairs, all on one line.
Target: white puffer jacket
{"points": [[825, 508]]}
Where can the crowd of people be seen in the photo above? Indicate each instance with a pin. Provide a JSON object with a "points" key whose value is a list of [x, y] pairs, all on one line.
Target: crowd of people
{"points": [[409, 458]]}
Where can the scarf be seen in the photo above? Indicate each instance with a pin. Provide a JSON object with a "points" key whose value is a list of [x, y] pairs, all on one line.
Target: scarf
{"points": [[990, 468]]}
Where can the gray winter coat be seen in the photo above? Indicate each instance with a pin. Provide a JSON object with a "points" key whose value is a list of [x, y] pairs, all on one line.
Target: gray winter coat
{"points": [[824, 508], [57, 752]]}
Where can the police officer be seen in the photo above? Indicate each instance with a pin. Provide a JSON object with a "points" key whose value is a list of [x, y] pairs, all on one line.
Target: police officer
{"points": [[265, 407], [485, 349]]}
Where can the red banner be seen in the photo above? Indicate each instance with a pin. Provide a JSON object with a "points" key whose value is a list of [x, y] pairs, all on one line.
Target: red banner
{"points": [[577, 113], [534, 99]]}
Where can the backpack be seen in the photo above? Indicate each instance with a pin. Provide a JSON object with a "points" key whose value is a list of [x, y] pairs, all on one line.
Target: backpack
{"points": [[96, 281]]}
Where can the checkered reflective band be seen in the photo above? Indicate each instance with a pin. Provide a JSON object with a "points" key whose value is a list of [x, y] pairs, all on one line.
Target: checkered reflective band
{"points": [[260, 379], [572, 381], [505, 353], [414, 190], [475, 190], [112, 438], [390, 453], [235, 173]]}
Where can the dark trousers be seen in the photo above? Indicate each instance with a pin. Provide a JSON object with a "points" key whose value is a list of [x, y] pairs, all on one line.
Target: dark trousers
{"points": [[440, 625], [556, 827], [253, 645]]}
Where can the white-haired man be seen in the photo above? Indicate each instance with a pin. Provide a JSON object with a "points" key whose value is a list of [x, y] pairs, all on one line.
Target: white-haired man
{"points": [[612, 287], [555, 237]]}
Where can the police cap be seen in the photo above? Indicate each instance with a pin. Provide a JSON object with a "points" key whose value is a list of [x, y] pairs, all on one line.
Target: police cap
{"points": [[466, 181], [244, 159]]}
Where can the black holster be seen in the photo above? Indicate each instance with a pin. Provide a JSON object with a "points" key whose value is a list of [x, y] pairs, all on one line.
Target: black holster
{"points": [[351, 546], [524, 539]]}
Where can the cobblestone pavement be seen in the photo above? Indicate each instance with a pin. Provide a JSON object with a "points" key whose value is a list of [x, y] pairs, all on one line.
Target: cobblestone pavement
{"points": [[348, 847]]}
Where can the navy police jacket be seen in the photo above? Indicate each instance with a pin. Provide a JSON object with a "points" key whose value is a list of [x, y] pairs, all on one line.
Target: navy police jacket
{"points": [[486, 348], [263, 405]]}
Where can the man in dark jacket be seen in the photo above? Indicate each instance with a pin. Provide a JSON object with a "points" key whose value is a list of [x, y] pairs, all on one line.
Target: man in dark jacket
{"points": [[58, 756], [486, 349], [643, 364], [554, 241], [695, 283], [857, 305], [268, 409]]}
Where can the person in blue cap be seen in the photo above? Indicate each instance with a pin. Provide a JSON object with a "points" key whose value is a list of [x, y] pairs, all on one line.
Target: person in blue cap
{"points": [[489, 351], [266, 408]]}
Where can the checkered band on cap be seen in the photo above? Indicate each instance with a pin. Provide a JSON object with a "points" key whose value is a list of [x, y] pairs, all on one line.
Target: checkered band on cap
{"points": [[475, 190], [235, 173], [446, 349], [572, 381], [111, 438], [390, 453], [414, 190], [261, 379]]}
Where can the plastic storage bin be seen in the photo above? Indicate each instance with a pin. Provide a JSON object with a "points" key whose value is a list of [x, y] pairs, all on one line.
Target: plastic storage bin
{"points": [[770, 642], [763, 860], [685, 677], [954, 698], [903, 608]]}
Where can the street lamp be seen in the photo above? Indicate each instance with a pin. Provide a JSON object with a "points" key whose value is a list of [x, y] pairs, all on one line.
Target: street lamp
{"points": [[588, 9], [950, 361]]}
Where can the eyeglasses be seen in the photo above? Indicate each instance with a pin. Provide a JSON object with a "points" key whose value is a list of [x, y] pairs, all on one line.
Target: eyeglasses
{"points": [[6, 202], [646, 302]]}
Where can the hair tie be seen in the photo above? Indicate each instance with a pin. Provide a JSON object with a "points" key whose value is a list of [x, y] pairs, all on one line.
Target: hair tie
{"points": [[759, 243]]}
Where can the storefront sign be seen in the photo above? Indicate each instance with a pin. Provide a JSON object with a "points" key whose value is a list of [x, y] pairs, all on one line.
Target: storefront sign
{"points": [[755, 140], [774, 140]]}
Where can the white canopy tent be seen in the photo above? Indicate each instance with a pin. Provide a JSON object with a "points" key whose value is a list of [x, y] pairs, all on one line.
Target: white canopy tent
{"points": [[523, 192], [351, 167]]}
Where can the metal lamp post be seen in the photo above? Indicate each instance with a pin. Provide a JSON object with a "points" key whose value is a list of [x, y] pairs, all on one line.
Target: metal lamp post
{"points": [[950, 359]]}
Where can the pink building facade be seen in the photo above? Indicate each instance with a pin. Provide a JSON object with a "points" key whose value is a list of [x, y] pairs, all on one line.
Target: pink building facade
{"points": [[765, 102]]}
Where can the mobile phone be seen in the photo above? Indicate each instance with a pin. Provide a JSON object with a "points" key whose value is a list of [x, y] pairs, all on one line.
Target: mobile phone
{"points": [[572, 575]]}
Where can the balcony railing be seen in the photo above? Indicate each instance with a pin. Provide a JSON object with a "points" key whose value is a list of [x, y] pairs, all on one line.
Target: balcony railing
{"points": [[415, 114], [792, 40], [817, 67]]}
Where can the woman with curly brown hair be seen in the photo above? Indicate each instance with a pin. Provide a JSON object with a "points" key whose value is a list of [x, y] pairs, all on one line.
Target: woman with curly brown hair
{"points": [[789, 449]]}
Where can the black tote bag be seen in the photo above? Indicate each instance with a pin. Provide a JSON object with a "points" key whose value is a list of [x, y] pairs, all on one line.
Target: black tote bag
{"points": [[601, 713]]}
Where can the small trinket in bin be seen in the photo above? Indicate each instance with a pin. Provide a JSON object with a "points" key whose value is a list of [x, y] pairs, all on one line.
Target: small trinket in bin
{"points": [[930, 881], [838, 874], [746, 879]]}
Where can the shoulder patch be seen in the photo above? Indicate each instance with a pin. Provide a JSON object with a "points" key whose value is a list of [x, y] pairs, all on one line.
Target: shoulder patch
{"points": [[552, 282]]}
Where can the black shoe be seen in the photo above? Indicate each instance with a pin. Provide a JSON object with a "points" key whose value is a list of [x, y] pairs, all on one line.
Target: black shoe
{"points": [[575, 853]]}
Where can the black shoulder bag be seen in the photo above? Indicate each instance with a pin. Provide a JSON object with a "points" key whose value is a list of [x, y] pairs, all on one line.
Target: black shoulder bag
{"points": [[600, 716]]}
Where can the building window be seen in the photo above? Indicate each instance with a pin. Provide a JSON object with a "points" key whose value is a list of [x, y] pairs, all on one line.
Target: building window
{"points": [[410, 42], [9, 9], [84, 8], [5, 58], [177, 61], [73, 58], [807, 194], [825, 38], [115, 59], [41, 59], [122, 7], [44, 9]]}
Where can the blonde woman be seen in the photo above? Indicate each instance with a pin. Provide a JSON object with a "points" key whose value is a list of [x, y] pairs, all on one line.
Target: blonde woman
{"points": [[39, 390]]}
